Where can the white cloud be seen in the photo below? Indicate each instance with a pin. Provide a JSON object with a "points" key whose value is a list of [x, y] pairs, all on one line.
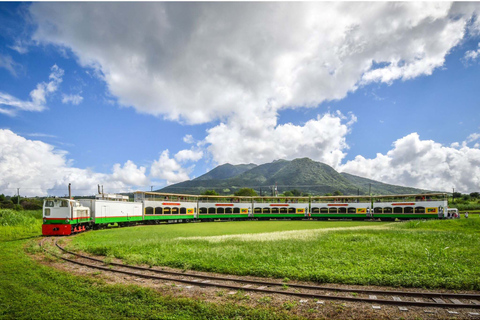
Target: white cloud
{"points": [[130, 174], [259, 139], [422, 163], [169, 169], [74, 99], [472, 55], [8, 63], [188, 139], [198, 62], [37, 168], [38, 95], [188, 155], [473, 137]]}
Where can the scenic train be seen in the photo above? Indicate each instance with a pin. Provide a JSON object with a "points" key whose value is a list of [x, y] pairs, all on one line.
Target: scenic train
{"points": [[65, 216]]}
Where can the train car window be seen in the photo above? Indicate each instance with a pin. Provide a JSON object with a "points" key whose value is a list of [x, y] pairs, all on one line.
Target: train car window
{"points": [[274, 210], [166, 210], [47, 212], [352, 210], [228, 210], [377, 210], [387, 210], [183, 210], [291, 210], [420, 210], [332, 210], [323, 210], [315, 210], [174, 210], [258, 210], [266, 210], [408, 210], [64, 203], [203, 210], [158, 210], [49, 204], [283, 210], [220, 210], [211, 210], [148, 210], [342, 210], [398, 210], [236, 210]]}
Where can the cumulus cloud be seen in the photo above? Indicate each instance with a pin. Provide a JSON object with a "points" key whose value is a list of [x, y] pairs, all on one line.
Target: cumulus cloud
{"points": [[169, 169], [74, 99], [422, 163], [189, 155], [38, 95], [197, 62], [260, 139], [130, 174], [37, 168]]}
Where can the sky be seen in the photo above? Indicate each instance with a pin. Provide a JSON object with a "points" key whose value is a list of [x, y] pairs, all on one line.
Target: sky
{"points": [[137, 96]]}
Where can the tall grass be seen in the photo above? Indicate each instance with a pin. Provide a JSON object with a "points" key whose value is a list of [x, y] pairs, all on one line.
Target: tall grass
{"points": [[19, 224]]}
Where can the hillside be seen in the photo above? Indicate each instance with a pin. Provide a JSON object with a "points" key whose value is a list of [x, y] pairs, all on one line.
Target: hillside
{"points": [[303, 174]]}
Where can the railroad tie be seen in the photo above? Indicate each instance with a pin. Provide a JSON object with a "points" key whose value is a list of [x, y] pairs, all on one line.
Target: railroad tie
{"points": [[438, 300], [403, 308], [372, 297], [456, 301], [397, 298]]}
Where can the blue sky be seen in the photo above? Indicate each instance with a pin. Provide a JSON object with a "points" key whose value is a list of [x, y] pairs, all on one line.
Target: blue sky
{"points": [[138, 95]]}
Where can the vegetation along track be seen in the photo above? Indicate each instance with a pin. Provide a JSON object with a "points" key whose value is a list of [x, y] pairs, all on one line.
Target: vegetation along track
{"points": [[418, 299]]}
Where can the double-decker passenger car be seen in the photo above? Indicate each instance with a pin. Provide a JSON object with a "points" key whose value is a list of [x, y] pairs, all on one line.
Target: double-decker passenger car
{"points": [[222, 207], [159, 207]]}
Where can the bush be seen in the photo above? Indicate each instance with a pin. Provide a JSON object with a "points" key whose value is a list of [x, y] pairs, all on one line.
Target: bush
{"points": [[7, 204], [28, 205], [14, 218], [17, 207]]}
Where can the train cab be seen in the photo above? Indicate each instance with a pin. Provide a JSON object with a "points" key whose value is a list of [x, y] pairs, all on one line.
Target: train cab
{"points": [[64, 217]]}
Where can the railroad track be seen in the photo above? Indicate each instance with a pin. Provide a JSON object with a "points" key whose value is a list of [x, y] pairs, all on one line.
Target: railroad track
{"points": [[402, 299]]}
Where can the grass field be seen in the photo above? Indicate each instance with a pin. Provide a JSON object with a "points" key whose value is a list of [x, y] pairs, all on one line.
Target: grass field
{"points": [[30, 290], [432, 254]]}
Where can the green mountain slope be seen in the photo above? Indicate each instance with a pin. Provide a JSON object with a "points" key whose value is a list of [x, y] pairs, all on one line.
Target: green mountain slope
{"points": [[303, 174]]}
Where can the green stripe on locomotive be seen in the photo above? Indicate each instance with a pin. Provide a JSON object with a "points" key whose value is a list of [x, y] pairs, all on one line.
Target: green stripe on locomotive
{"points": [[63, 221]]}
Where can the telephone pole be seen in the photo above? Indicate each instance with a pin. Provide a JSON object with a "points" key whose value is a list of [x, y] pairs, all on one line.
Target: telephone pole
{"points": [[18, 195]]}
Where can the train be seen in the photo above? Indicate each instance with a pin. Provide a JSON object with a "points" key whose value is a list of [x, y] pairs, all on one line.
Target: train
{"points": [[66, 216]]}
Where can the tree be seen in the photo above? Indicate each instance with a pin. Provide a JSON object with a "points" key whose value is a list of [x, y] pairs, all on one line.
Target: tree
{"points": [[337, 193], [296, 193], [328, 194], [475, 195], [210, 193], [246, 192], [288, 194], [2, 197]]}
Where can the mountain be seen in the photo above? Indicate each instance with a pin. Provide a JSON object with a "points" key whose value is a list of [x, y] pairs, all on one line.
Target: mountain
{"points": [[226, 171], [303, 174]]}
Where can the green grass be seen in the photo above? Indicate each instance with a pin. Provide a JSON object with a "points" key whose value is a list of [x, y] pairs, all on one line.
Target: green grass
{"points": [[434, 254], [30, 290]]}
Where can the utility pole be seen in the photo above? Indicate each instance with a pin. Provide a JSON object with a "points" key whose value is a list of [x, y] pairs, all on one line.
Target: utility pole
{"points": [[151, 188], [18, 195], [453, 195]]}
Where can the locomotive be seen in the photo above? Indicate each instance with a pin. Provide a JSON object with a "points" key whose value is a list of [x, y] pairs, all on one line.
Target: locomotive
{"points": [[63, 216]]}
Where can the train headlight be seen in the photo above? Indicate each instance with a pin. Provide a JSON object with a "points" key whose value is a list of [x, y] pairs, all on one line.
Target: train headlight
{"points": [[67, 221], [44, 220]]}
